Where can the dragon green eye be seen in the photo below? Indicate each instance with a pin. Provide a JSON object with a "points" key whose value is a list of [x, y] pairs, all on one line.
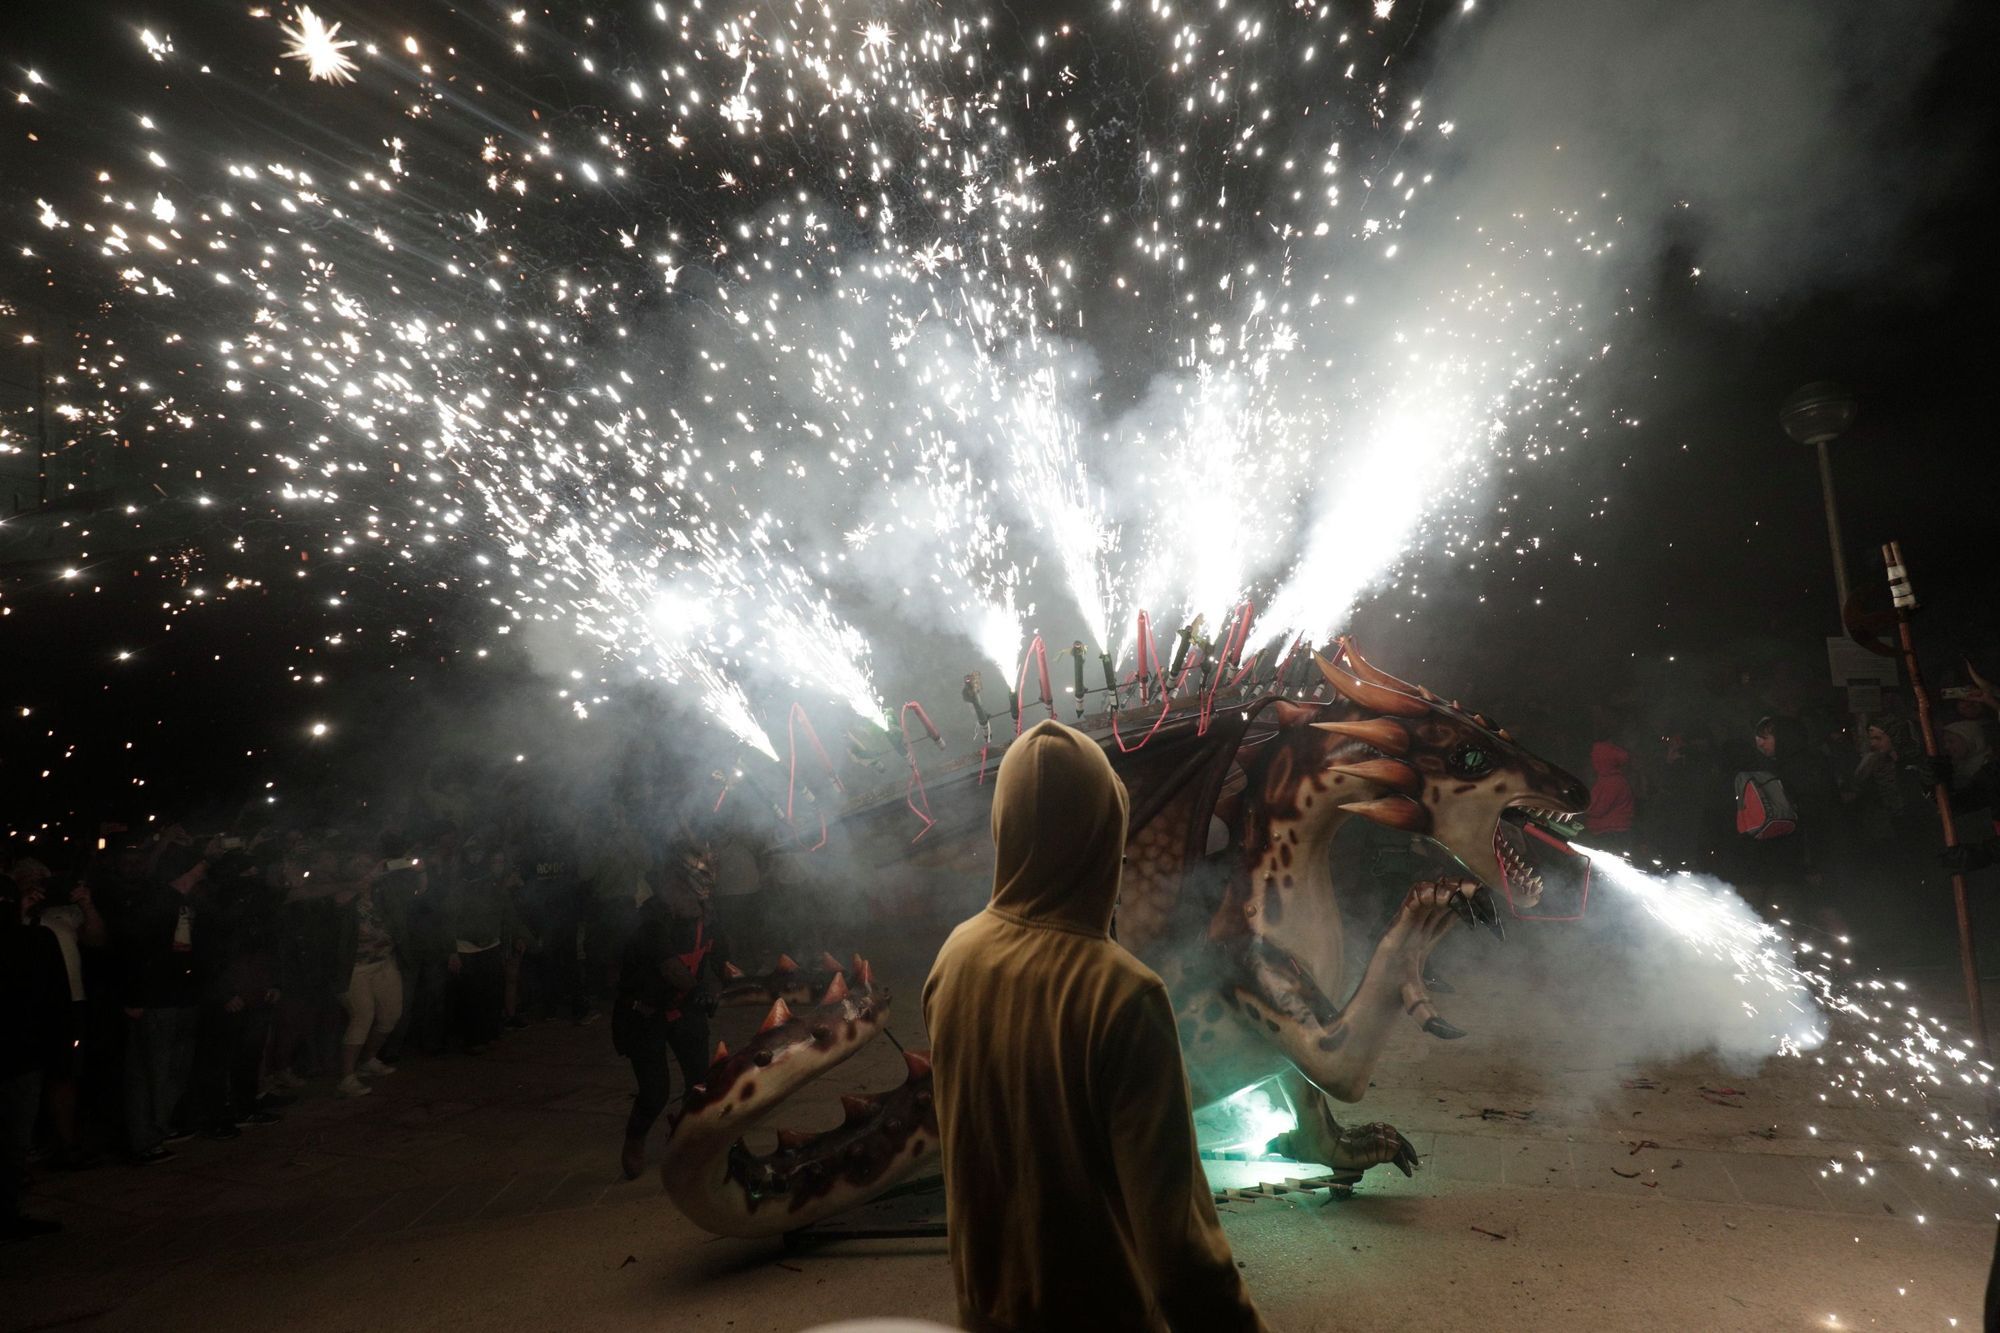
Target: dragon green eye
{"points": [[1470, 760]]}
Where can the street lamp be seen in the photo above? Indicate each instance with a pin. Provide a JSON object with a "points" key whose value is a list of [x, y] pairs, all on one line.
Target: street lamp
{"points": [[1817, 415]]}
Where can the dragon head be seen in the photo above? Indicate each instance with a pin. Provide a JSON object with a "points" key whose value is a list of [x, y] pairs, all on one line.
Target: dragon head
{"points": [[1457, 778]]}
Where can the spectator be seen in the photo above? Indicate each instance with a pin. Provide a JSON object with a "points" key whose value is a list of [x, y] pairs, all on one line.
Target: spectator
{"points": [[77, 926], [309, 981], [162, 993], [34, 1021], [372, 933], [1072, 1190], [668, 982], [240, 997], [1882, 791], [428, 946], [485, 928], [1608, 821]]}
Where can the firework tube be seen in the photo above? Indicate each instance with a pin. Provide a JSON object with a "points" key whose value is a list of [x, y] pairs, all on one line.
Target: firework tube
{"points": [[1076, 657]]}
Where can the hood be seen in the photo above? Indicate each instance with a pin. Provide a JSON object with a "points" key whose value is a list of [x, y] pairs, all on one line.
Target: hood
{"points": [[1608, 757], [1058, 831]]}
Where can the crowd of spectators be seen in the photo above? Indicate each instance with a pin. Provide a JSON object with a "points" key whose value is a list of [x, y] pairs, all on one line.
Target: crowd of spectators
{"points": [[175, 984]]}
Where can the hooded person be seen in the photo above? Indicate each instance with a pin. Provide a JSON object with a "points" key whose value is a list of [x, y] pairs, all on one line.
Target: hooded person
{"points": [[1073, 1192]]}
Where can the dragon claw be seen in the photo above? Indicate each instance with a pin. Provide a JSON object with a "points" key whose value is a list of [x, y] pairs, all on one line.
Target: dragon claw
{"points": [[1442, 1030], [1461, 907]]}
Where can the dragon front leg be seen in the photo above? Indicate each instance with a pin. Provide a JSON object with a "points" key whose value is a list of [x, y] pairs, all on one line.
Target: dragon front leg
{"points": [[1337, 1047], [1334, 1050]]}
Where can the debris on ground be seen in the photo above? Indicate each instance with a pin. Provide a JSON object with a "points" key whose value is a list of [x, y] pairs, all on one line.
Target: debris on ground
{"points": [[1768, 1132], [1642, 1084], [1496, 1113], [1495, 1234], [630, 1259], [1642, 1143], [1629, 1175], [1721, 1096]]}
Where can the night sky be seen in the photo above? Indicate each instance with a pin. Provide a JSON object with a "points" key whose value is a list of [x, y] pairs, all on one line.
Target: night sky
{"points": [[1693, 535]]}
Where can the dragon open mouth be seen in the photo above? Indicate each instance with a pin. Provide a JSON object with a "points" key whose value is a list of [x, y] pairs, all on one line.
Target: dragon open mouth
{"points": [[1536, 862]]}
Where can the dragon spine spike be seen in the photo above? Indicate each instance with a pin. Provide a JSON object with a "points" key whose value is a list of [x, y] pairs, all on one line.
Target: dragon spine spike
{"points": [[867, 975], [836, 989], [795, 1138], [855, 1107], [721, 1052], [1392, 773], [781, 1013], [828, 963], [1384, 734], [785, 964], [733, 972], [1396, 812], [918, 1063], [1368, 671], [1375, 698]]}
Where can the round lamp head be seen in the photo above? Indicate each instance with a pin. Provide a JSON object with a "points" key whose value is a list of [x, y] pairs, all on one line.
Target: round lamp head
{"points": [[1818, 413]]}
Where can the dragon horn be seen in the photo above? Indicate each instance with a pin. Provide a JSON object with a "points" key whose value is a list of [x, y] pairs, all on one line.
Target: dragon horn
{"points": [[1392, 773], [854, 1107], [1385, 734], [1368, 671], [785, 964], [1375, 698], [918, 1063], [780, 1013], [721, 1052], [836, 989], [1396, 812], [827, 962], [733, 972], [1985, 687], [795, 1138]]}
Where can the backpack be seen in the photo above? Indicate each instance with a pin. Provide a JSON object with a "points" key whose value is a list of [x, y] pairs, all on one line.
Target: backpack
{"points": [[1763, 810]]}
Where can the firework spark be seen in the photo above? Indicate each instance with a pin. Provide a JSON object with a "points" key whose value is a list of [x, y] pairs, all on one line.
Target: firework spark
{"points": [[320, 45]]}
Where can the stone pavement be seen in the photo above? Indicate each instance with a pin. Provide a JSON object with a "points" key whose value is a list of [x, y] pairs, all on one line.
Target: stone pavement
{"points": [[1562, 1183]]}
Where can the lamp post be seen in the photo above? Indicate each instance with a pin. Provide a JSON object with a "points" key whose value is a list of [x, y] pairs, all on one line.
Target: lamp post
{"points": [[1817, 415]]}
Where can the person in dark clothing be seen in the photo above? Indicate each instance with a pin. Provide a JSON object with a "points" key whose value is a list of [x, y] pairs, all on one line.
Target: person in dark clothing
{"points": [[485, 930], [161, 994], [309, 982], [553, 906], [34, 1020], [668, 982], [426, 955], [240, 997]]}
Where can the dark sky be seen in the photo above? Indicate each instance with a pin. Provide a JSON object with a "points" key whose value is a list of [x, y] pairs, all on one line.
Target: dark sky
{"points": [[1710, 544]]}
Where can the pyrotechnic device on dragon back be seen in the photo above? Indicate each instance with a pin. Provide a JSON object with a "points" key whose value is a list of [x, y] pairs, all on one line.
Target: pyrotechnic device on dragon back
{"points": [[982, 721], [1187, 635], [1110, 678], [1207, 647], [1076, 656]]}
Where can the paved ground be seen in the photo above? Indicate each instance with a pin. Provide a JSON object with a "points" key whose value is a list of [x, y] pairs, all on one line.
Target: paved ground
{"points": [[482, 1193]]}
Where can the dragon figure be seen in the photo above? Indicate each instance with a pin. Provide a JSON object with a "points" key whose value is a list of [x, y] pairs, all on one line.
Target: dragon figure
{"points": [[1250, 938]]}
